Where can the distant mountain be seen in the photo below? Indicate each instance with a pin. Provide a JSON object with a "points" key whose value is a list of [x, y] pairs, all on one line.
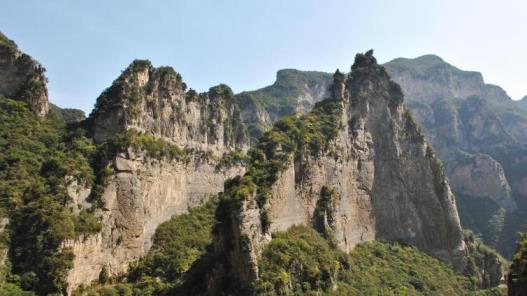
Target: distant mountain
{"points": [[156, 192], [69, 115], [293, 91]]}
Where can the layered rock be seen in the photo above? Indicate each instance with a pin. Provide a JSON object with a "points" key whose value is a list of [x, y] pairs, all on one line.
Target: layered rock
{"points": [[173, 141], [479, 133], [480, 175], [357, 164], [22, 78], [155, 101]]}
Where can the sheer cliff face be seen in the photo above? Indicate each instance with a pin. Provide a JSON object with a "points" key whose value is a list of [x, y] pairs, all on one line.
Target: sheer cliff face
{"points": [[375, 177], [144, 190], [154, 101], [22, 78], [479, 132]]}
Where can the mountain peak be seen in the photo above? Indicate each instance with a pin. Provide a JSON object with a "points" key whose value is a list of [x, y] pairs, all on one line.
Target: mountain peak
{"points": [[22, 78], [364, 60]]}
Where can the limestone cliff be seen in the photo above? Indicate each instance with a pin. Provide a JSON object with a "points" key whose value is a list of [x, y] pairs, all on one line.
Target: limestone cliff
{"points": [[155, 101], [356, 165], [523, 102], [22, 78], [476, 129], [482, 176], [479, 132], [168, 144]]}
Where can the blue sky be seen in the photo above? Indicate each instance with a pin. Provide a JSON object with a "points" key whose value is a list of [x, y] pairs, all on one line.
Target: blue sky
{"points": [[86, 44]]}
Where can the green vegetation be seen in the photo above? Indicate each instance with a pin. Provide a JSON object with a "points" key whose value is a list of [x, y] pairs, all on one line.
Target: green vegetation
{"points": [[293, 138], [4, 41], [232, 159], [126, 93], [301, 262], [483, 216], [68, 115], [38, 157], [517, 279], [282, 98], [481, 261], [177, 246], [153, 147], [178, 243], [323, 218]]}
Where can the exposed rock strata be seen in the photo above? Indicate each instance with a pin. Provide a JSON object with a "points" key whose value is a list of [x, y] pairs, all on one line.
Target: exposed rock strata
{"points": [[293, 91], [144, 191], [22, 78], [142, 194], [387, 181]]}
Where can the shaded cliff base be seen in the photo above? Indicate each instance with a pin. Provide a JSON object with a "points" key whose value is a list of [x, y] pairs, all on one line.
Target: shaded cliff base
{"points": [[298, 261]]}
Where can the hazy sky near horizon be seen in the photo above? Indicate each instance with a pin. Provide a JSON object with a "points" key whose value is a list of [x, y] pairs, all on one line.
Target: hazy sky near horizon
{"points": [[84, 45]]}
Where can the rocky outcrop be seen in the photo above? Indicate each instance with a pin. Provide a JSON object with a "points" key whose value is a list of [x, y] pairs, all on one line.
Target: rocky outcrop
{"points": [[461, 115], [370, 176], [155, 101], [142, 194], [486, 267], [22, 78], [478, 132], [517, 277], [171, 142], [480, 175]]}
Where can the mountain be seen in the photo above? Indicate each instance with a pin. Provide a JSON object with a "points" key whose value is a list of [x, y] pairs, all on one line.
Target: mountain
{"points": [[480, 135], [22, 78], [517, 277], [146, 195], [168, 149], [356, 168], [69, 115], [293, 91], [477, 130]]}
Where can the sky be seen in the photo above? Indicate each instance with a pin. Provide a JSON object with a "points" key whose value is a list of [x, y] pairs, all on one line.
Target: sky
{"points": [[84, 45]]}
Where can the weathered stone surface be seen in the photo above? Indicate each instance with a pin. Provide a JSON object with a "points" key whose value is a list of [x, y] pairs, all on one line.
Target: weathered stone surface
{"points": [[79, 193], [22, 78], [136, 201], [143, 191], [482, 176], [387, 181], [155, 101]]}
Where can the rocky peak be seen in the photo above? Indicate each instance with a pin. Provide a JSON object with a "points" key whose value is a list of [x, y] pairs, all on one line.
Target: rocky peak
{"points": [[360, 167], [22, 78], [156, 101]]}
